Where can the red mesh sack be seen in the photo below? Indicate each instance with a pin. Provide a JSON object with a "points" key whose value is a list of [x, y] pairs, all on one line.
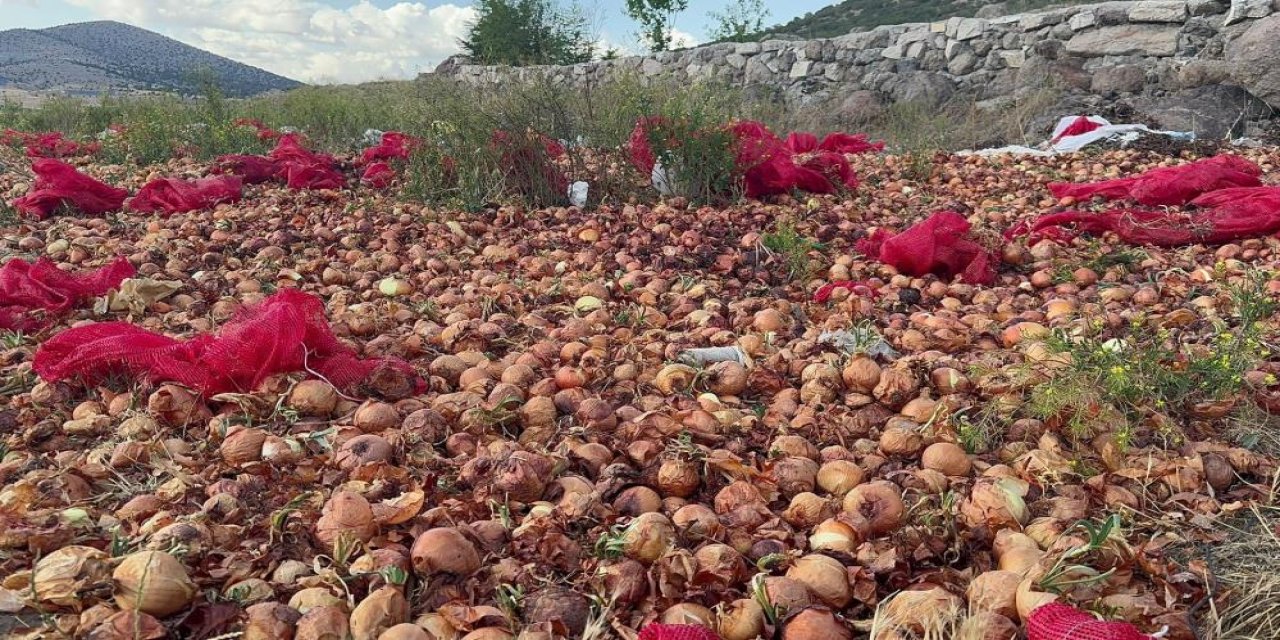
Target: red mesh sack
{"points": [[1057, 621], [655, 631], [251, 169], [1169, 185], [842, 143], [284, 333], [50, 144], [1230, 215], [171, 195], [640, 146], [33, 295], [939, 245], [378, 175], [393, 146], [59, 184], [302, 168], [528, 163]]}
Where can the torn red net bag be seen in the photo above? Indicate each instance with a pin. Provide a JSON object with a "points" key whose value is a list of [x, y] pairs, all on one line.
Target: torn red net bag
{"points": [[378, 175], [59, 185], [655, 631], [32, 295], [172, 195], [302, 168], [1079, 126], [50, 144], [392, 146], [1227, 215], [1167, 186], [1057, 621], [528, 163], [939, 245], [250, 169], [284, 333]]}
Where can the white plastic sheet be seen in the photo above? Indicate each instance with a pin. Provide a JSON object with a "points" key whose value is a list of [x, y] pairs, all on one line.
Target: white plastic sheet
{"points": [[1059, 144]]}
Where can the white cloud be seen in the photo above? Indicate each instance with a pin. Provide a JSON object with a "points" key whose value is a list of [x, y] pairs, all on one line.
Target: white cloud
{"points": [[304, 39], [682, 39]]}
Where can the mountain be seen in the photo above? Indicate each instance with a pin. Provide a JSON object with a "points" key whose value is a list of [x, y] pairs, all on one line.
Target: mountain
{"points": [[90, 58], [856, 15]]}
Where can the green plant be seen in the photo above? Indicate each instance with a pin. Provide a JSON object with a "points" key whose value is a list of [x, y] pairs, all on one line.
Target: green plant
{"points": [[510, 598], [738, 21], [611, 543], [656, 18], [1064, 574], [772, 612], [792, 248]]}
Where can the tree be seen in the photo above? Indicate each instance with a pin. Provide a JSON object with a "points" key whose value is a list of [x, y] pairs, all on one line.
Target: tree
{"points": [[528, 32], [739, 21], [656, 18]]}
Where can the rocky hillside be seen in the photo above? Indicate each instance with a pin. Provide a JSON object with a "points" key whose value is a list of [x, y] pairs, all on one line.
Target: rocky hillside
{"points": [[97, 57], [850, 15]]}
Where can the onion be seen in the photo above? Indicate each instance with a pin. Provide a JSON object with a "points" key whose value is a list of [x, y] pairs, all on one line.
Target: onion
{"points": [[678, 477], [696, 522], [1028, 600], [825, 577], [946, 458], [996, 503], [722, 563], [807, 510], [559, 607], [488, 633], [648, 537], [985, 625], [346, 514], [675, 378], [444, 550], [242, 445], [1008, 539], [688, 613], [920, 610], [1020, 560], [323, 623], [862, 374], [394, 287], [375, 417], [67, 574], [995, 591], [787, 593], [152, 582], [794, 474], [726, 378], [361, 450], [315, 398], [901, 440], [834, 535], [176, 406], [405, 631], [382, 609], [638, 500], [817, 624], [312, 597], [880, 502], [838, 477], [626, 582], [270, 621], [742, 619]]}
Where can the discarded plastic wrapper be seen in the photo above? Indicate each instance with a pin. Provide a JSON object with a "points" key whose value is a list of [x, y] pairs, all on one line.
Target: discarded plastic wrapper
{"points": [[135, 295], [710, 355], [372, 136], [857, 340], [661, 181], [1064, 140], [578, 193]]}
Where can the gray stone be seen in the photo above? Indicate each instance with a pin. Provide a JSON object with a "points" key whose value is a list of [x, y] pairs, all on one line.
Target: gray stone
{"points": [[970, 28], [1032, 21], [1062, 31], [1199, 73], [1158, 11], [736, 61], [1253, 59], [1083, 20], [1214, 112], [993, 10], [1013, 59], [757, 72], [962, 63], [860, 106], [1205, 7], [800, 69], [1133, 39], [747, 48], [1245, 9], [918, 35], [651, 67], [1123, 78], [915, 50], [1112, 13], [895, 52], [924, 88], [1048, 49]]}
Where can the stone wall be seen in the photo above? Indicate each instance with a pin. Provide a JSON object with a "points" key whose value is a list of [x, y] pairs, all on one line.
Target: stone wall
{"points": [[1169, 56]]}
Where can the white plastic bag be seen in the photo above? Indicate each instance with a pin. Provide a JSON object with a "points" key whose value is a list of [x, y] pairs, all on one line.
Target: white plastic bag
{"points": [[578, 193]]}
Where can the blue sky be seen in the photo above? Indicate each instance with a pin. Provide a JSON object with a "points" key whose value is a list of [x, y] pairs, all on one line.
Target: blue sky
{"points": [[338, 40]]}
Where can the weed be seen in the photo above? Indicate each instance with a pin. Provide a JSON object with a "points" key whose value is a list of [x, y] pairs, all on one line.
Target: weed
{"points": [[12, 339], [1064, 574], [510, 599], [772, 612], [611, 543], [280, 518], [791, 248]]}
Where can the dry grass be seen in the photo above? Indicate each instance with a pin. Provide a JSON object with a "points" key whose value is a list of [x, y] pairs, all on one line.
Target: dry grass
{"points": [[1246, 602], [928, 623]]}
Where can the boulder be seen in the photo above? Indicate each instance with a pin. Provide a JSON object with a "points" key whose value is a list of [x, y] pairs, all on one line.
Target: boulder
{"points": [[923, 88], [1214, 112], [1158, 11], [859, 107], [1123, 78], [1126, 40], [1253, 59], [1245, 9]]}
